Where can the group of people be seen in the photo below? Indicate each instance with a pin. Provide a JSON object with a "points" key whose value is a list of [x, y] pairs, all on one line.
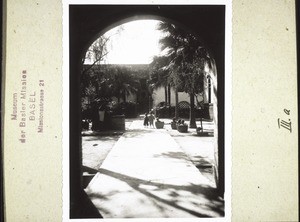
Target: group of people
{"points": [[149, 119], [178, 122]]}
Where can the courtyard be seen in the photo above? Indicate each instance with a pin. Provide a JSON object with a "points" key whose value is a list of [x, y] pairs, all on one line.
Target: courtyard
{"points": [[164, 172]]}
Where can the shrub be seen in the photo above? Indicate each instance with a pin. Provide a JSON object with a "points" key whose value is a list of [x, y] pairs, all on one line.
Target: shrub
{"points": [[124, 108]]}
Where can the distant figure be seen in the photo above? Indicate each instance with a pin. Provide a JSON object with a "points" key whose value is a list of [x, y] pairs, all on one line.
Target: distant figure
{"points": [[174, 120], [151, 119], [180, 122], [146, 120], [174, 123]]}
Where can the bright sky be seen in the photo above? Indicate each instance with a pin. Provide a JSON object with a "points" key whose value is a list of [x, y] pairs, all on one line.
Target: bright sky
{"points": [[137, 43]]}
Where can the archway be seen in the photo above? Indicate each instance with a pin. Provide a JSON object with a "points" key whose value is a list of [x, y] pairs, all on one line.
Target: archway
{"points": [[86, 22]]}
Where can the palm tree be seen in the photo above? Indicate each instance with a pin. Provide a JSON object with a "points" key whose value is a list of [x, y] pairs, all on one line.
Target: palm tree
{"points": [[158, 75], [191, 64], [122, 83], [170, 45], [187, 61]]}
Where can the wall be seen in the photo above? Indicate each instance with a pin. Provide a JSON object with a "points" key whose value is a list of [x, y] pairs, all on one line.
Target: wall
{"points": [[159, 96]]}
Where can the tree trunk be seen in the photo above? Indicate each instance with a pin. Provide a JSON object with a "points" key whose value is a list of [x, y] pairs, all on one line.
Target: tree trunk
{"points": [[205, 99], [169, 95], [176, 103], [169, 99], [192, 111], [166, 95], [209, 90]]}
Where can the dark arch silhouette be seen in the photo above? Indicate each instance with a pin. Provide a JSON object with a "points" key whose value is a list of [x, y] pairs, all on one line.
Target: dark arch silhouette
{"points": [[85, 25], [143, 17]]}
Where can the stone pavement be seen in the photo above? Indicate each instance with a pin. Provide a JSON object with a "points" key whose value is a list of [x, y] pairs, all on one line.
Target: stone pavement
{"points": [[147, 175]]}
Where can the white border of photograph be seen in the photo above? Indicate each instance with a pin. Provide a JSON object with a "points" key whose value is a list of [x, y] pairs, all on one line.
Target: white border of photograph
{"points": [[227, 108]]}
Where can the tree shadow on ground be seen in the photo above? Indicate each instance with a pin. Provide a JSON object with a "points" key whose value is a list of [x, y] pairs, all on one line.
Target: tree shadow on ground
{"points": [[174, 155], [89, 170], [193, 134], [201, 160], [214, 203], [88, 175], [197, 160], [102, 138], [188, 134]]}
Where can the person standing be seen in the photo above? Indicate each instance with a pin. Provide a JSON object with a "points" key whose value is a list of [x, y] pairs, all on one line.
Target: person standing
{"points": [[151, 119], [146, 120]]}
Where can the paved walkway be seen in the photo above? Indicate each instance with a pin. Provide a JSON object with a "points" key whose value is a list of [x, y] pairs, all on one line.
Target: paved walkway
{"points": [[146, 174]]}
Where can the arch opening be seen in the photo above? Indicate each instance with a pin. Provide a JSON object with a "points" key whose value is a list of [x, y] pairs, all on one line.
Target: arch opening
{"points": [[208, 70], [211, 77]]}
